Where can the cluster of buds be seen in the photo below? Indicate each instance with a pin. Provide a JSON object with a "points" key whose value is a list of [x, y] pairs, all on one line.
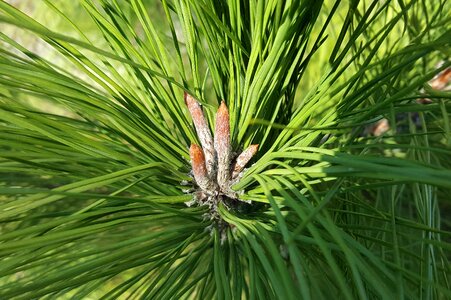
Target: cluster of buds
{"points": [[214, 167]]}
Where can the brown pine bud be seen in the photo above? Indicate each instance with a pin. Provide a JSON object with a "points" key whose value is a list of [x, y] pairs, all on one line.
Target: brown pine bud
{"points": [[199, 169], [222, 145], [203, 133], [380, 127], [243, 159], [442, 80]]}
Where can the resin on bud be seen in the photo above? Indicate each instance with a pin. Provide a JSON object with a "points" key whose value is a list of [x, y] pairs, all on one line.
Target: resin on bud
{"points": [[203, 133], [199, 169], [243, 159], [222, 145]]}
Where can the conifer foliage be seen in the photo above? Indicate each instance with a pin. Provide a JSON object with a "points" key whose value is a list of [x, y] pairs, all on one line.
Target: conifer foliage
{"points": [[203, 149]]}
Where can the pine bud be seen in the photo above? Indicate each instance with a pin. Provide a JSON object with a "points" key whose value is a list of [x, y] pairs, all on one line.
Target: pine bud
{"points": [[243, 159], [203, 133], [222, 145], [442, 80], [199, 169]]}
